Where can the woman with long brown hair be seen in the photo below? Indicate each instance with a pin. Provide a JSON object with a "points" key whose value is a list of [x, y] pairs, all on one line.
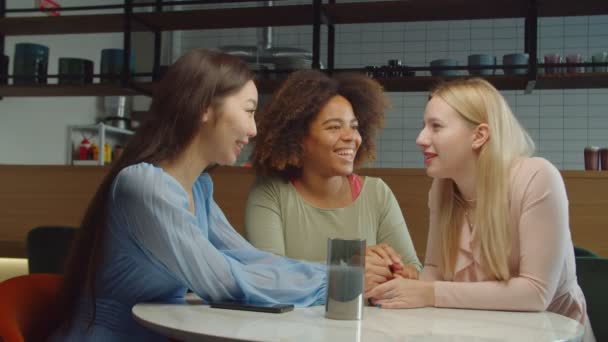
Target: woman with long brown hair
{"points": [[153, 229]]}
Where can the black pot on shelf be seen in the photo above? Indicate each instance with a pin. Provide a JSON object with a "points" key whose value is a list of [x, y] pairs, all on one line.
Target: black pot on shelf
{"points": [[75, 71], [111, 65], [30, 63]]}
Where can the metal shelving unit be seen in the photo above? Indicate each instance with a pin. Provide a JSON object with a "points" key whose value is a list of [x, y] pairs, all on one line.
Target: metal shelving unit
{"points": [[102, 131], [317, 13]]}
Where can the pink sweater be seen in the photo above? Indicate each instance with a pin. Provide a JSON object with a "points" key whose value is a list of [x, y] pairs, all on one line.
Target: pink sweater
{"points": [[542, 260]]}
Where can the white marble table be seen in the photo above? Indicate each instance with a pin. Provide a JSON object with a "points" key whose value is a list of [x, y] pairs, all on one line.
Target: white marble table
{"points": [[195, 322]]}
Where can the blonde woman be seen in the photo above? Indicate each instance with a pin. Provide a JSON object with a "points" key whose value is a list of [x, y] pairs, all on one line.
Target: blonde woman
{"points": [[499, 237]]}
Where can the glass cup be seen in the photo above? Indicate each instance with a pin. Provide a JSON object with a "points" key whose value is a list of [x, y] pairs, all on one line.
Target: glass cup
{"points": [[600, 57], [555, 59], [345, 279], [592, 158], [604, 158], [575, 58]]}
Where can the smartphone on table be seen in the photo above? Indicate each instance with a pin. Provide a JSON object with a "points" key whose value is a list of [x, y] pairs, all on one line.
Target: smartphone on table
{"points": [[269, 308]]}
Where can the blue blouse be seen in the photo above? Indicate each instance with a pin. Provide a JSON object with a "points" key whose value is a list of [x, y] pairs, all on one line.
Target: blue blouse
{"points": [[155, 249]]}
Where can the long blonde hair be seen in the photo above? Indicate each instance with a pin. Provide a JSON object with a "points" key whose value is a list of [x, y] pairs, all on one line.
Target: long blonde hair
{"points": [[477, 101]]}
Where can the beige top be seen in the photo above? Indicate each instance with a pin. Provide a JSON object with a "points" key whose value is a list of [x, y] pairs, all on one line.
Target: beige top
{"points": [[542, 261], [280, 221]]}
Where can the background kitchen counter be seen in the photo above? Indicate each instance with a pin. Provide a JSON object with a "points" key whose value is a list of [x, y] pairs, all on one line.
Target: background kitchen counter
{"points": [[32, 195]]}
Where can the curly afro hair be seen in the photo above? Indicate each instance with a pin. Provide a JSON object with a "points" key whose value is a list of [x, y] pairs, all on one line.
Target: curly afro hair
{"points": [[285, 121]]}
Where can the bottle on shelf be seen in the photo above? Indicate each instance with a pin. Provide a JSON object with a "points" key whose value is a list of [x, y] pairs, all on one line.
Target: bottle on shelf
{"points": [[83, 149]]}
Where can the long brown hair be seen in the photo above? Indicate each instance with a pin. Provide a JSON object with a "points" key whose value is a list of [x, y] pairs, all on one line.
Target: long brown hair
{"points": [[285, 121], [198, 80]]}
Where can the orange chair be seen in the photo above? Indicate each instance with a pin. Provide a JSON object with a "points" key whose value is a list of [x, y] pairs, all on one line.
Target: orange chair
{"points": [[28, 309]]}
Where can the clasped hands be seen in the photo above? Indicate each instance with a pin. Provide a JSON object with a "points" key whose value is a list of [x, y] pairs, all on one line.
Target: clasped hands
{"points": [[390, 284]]}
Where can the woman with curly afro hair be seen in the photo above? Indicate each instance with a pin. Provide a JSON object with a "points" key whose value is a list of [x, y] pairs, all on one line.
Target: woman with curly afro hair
{"points": [[311, 136]]}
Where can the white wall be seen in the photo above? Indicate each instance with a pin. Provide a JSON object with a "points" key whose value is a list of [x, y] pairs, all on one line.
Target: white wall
{"points": [[33, 129]]}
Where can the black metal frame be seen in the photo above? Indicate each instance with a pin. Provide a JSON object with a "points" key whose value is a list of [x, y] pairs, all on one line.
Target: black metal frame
{"points": [[331, 42], [316, 34], [157, 45], [152, 3], [2, 15], [126, 80], [531, 44], [126, 62], [319, 18], [2, 38]]}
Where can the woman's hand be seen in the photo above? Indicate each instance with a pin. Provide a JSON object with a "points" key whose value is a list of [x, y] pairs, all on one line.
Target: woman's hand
{"points": [[382, 264], [376, 271], [408, 271], [386, 253], [402, 293], [379, 263]]}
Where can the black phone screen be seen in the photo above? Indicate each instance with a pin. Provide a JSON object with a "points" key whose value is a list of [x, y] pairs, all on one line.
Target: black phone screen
{"points": [[269, 308]]}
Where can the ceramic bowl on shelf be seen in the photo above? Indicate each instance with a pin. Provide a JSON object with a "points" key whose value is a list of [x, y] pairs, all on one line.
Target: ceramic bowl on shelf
{"points": [[481, 60], [445, 62], [515, 59]]}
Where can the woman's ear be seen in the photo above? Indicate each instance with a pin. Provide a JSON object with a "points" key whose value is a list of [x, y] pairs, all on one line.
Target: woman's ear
{"points": [[481, 135], [207, 115], [294, 160]]}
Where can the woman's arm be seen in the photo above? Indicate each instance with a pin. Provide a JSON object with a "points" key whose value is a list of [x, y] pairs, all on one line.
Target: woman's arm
{"points": [[263, 222], [432, 260], [153, 209], [544, 239], [393, 229]]}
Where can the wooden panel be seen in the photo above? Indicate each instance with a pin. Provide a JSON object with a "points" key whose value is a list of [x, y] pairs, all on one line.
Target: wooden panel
{"points": [[31, 196], [44, 195], [588, 197]]}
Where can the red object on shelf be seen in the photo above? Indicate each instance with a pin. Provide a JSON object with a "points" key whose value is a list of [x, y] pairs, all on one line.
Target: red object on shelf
{"points": [[49, 4], [83, 149]]}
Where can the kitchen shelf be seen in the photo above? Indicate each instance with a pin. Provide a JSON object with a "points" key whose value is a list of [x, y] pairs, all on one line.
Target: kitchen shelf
{"points": [[287, 15], [164, 21], [396, 84], [425, 83], [573, 81], [73, 90], [421, 10], [429, 10], [291, 15], [90, 23]]}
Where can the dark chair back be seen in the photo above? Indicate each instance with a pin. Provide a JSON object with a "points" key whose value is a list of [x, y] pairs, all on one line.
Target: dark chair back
{"points": [[48, 248], [592, 274], [583, 252]]}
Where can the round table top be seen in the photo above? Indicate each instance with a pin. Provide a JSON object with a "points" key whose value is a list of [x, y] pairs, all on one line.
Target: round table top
{"points": [[190, 322]]}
